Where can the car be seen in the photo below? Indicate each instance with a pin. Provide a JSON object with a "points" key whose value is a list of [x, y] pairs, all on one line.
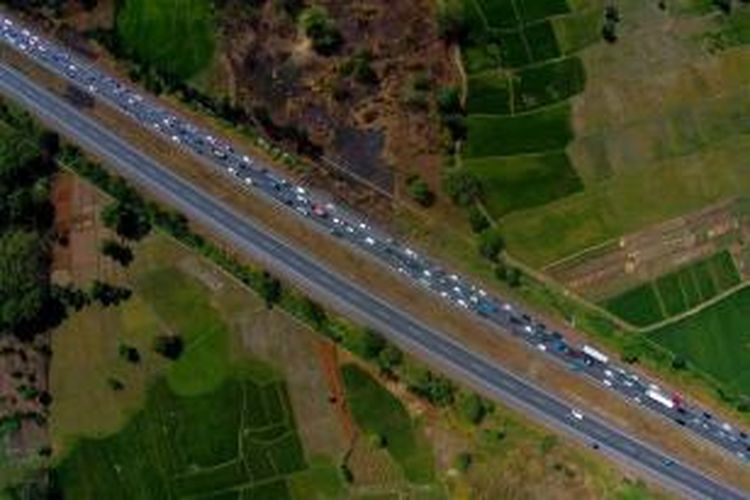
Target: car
{"points": [[249, 181], [541, 347], [576, 414], [667, 462], [370, 240], [595, 445]]}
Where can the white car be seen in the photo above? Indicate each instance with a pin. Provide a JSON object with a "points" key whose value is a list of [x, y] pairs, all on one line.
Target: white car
{"points": [[576, 414]]}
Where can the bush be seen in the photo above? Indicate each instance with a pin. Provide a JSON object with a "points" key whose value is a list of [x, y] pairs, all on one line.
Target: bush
{"points": [[420, 192], [462, 186], [389, 358], [108, 295], [490, 244], [269, 289], [449, 101], [359, 67], [463, 461], [169, 346], [320, 29], [473, 408], [117, 252], [477, 220], [129, 353], [126, 219], [436, 389], [451, 20]]}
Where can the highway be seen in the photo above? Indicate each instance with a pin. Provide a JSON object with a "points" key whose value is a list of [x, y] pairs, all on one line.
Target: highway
{"points": [[297, 266], [252, 175]]}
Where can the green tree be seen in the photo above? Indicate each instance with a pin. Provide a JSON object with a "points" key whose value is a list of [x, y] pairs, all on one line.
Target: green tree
{"points": [[372, 344], [420, 192], [462, 186], [449, 100], [108, 295], [477, 220], [473, 408], [127, 220], [117, 252], [463, 461], [24, 278], [389, 358], [169, 346], [514, 277], [490, 244], [318, 26], [451, 20], [269, 289], [313, 312]]}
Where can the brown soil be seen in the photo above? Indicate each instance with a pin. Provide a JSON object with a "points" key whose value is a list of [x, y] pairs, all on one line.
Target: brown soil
{"points": [[328, 358], [641, 256]]}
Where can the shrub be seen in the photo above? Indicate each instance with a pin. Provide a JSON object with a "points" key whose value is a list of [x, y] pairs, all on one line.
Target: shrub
{"points": [[490, 244], [462, 186], [420, 192], [169, 346], [463, 461], [108, 295], [117, 252], [320, 29], [477, 220]]}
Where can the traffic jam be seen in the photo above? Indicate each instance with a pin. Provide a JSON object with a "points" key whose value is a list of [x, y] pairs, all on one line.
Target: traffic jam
{"points": [[346, 226]]}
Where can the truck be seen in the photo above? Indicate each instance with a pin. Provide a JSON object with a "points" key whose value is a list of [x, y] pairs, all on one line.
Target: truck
{"points": [[660, 398], [597, 355]]}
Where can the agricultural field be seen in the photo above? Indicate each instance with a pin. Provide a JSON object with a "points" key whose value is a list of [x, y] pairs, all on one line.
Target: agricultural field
{"points": [[234, 440], [518, 103], [715, 340], [380, 415], [676, 292], [177, 37], [671, 145]]}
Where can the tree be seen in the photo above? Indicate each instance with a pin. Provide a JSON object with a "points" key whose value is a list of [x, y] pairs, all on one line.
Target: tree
{"points": [[723, 5], [320, 29], [609, 31], [24, 279], [514, 277], [389, 358], [451, 20], [420, 192], [313, 311], [108, 295], [169, 346], [501, 270], [372, 344], [127, 220], [463, 461], [360, 68], [436, 389], [129, 353], [269, 289], [473, 408], [679, 363], [490, 244], [117, 252], [462, 186], [449, 100], [477, 220]]}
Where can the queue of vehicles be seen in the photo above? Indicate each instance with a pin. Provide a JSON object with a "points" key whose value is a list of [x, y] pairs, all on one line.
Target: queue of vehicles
{"points": [[348, 226]]}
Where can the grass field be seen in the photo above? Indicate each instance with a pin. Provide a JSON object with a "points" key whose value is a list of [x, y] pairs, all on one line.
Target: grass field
{"points": [[175, 36], [236, 438], [518, 182], [715, 340], [535, 132], [676, 292], [377, 411]]}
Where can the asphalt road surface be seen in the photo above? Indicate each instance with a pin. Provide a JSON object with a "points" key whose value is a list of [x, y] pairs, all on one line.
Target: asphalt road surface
{"points": [[295, 265]]}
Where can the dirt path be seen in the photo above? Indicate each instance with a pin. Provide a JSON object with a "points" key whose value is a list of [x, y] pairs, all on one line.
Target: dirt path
{"points": [[328, 357]]}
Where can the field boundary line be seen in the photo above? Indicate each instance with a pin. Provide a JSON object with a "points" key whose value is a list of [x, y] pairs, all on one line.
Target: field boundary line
{"points": [[529, 111], [579, 253], [695, 310]]}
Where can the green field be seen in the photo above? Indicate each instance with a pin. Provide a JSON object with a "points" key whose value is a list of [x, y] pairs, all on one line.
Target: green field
{"points": [[175, 36], [539, 131], [678, 291], [715, 340], [548, 83], [518, 182], [376, 411], [180, 303], [237, 439], [518, 116]]}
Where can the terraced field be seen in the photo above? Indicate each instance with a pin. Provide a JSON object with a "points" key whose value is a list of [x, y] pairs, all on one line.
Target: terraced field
{"points": [[676, 292], [519, 113]]}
